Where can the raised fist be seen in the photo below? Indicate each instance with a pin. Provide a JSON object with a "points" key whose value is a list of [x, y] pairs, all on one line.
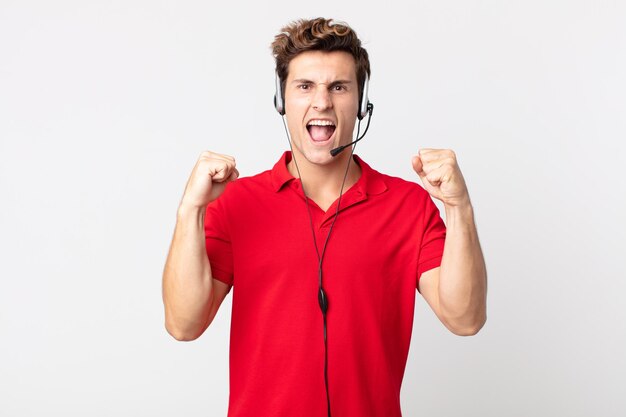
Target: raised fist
{"points": [[208, 179]]}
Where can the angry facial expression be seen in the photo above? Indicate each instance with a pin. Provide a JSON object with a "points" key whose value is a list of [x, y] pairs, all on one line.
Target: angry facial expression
{"points": [[321, 101]]}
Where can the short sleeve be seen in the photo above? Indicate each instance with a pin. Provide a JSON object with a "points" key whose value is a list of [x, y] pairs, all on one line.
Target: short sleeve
{"points": [[433, 239], [218, 244]]}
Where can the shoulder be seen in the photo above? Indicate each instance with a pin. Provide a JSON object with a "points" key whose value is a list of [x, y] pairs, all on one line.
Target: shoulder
{"points": [[408, 199], [400, 187], [239, 195], [398, 184], [248, 185]]}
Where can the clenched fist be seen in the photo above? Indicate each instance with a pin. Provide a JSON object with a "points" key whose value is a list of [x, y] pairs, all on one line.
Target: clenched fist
{"points": [[208, 179], [440, 173]]}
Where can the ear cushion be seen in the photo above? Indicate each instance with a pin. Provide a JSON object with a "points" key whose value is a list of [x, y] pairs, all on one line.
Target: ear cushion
{"points": [[363, 107], [279, 102]]}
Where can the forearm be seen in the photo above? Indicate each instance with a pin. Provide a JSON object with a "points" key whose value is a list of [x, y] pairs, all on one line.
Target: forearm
{"points": [[463, 276], [187, 280]]}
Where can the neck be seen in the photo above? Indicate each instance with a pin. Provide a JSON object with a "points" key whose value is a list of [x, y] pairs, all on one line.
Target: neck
{"points": [[325, 180]]}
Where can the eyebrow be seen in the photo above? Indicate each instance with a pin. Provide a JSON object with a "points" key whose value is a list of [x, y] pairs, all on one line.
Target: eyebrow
{"points": [[305, 81]]}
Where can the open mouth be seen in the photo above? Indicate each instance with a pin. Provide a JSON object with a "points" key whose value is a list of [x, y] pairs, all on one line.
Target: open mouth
{"points": [[320, 130]]}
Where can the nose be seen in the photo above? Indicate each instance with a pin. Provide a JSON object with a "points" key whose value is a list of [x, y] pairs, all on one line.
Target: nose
{"points": [[321, 99]]}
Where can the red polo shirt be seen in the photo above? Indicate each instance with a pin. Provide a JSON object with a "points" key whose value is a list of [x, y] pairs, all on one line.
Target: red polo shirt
{"points": [[259, 239]]}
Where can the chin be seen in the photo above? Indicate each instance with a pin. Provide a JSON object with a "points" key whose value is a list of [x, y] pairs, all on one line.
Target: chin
{"points": [[314, 155], [318, 156]]}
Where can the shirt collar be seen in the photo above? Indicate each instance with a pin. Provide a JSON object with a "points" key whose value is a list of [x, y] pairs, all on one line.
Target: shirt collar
{"points": [[371, 181]]}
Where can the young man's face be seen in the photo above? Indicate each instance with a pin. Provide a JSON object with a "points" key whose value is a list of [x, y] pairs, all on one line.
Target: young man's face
{"points": [[321, 102]]}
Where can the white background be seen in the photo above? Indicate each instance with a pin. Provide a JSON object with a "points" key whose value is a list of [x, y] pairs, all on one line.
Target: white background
{"points": [[105, 107]]}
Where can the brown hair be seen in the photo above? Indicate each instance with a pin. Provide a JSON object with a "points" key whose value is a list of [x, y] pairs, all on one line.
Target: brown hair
{"points": [[315, 35]]}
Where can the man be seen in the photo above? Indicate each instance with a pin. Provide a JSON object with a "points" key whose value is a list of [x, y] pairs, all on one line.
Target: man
{"points": [[323, 252]]}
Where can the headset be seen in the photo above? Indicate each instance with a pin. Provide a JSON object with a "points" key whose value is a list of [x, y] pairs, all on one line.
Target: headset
{"points": [[365, 108]]}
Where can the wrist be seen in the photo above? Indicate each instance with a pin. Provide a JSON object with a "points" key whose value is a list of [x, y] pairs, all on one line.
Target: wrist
{"points": [[461, 213], [190, 210]]}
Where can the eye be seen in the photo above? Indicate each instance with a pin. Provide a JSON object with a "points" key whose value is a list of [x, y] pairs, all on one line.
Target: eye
{"points": [[339, 87], [303, 86]]}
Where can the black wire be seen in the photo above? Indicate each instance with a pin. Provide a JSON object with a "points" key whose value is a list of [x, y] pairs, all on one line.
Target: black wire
{"points": [[321, 258]]}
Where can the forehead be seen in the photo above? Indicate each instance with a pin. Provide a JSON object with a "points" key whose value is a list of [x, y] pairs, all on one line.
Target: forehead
{"points": [[322, 66]]}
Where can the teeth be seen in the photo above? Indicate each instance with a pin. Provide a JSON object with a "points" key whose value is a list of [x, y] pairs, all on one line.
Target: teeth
{"points": [[320, 123]]}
